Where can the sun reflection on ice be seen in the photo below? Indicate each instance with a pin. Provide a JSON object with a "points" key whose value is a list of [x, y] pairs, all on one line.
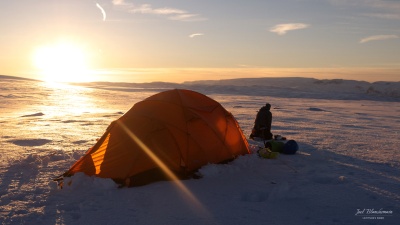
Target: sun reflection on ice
{"points": [[69, 117], [64, 99]]}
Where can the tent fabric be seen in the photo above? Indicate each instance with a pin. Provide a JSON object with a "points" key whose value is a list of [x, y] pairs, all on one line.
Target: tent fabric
{"points": [[181, 130]]}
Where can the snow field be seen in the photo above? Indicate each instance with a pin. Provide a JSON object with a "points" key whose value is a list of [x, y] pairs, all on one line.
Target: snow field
{"points": [[348, 160]]}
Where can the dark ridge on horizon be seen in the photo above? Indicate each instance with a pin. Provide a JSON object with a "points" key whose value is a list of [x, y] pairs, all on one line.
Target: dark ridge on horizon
{"points": [[208, 82], [291, 87], [16, 78], [256, 79], [224, 81], [233, 80], [252, 79]]}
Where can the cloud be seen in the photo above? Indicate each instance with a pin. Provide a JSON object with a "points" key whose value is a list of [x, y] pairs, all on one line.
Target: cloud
{"points": [[168, 11], [378, 38], [102, 11], [187, 17], [171, 13], [282, 29], [119, 2], [195, 35], [148, 9]]}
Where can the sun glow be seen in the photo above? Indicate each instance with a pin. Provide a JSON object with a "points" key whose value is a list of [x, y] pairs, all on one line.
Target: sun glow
{"points": [[62, 62]]}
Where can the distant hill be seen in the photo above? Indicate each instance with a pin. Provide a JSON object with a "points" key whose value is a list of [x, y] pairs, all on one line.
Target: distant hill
{"points": [[15, 78], [289, 87], [302, 87]]}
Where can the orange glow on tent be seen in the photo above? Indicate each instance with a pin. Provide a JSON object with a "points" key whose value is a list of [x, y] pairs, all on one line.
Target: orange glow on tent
{"points": [[176, 131]]}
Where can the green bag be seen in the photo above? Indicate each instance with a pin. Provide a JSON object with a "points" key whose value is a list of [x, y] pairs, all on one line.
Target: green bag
{"points": [[275, 146], [267, 153]]}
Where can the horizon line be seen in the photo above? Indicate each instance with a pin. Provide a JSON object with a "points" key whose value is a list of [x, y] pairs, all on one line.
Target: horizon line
{"points": [[183, 74]]}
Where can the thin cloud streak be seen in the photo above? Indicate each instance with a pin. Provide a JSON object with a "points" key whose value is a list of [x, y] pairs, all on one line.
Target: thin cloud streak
{"points": [[118, 2], [378, 38], [172, 13], [195, 35], [282, 29], [187, 17], [102, 11]]}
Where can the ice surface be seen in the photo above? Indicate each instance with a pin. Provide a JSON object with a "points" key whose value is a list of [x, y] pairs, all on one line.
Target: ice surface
{"points": [[349, 155]]}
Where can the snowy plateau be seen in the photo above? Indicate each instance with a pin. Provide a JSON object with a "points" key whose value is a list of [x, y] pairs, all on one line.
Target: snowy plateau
{"points": [[347, 170]]}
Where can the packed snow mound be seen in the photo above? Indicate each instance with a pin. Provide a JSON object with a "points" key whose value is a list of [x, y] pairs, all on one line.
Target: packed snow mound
{"points": [[80, 180]]}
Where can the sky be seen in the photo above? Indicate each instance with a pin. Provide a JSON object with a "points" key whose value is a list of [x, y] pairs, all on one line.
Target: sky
{"points": [[176, 41]]}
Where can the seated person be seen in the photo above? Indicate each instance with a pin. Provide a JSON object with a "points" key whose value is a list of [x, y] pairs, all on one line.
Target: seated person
{"points": [[262, 124]]}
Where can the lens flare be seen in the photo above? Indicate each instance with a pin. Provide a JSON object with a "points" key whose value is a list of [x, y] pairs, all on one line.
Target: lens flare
{"points": [[190, 196]]}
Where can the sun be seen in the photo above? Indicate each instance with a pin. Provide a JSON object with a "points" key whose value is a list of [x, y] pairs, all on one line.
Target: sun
{"points": [[62, 62]]}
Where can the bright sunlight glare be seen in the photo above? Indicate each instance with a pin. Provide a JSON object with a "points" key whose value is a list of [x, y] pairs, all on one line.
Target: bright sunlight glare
{"points": [[62, 62], [192, 199]]}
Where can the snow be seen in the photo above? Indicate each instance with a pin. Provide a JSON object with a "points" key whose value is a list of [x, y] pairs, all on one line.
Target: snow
{"points": [[349, 157]]}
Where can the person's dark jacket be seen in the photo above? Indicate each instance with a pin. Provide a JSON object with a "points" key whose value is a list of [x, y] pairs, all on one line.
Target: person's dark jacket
{"points": [[262, 124], [263, 119]]}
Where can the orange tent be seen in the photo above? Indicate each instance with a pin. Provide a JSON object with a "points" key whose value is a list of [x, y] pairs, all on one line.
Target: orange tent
{"points": [[166, 136]]}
